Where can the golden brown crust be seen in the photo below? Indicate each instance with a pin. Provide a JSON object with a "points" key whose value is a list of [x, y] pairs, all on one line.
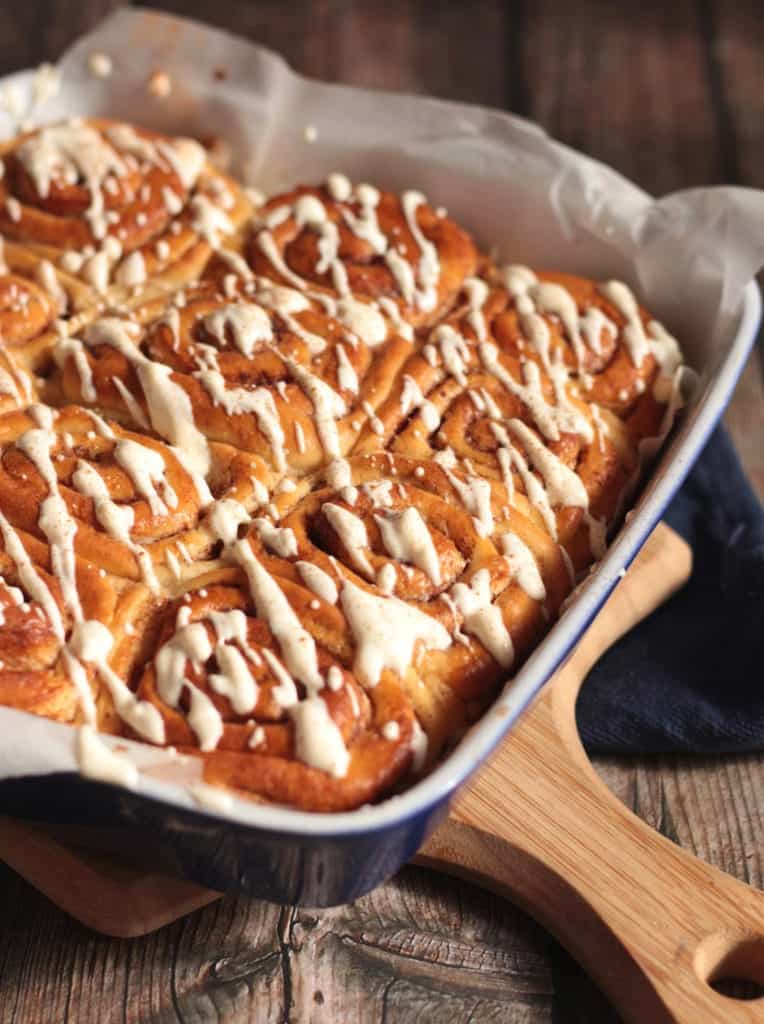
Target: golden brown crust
{"points": [[269, 768], [368, 272], [325, 498], [34, 673], [155, 194], [263, 401], [139, 476]]}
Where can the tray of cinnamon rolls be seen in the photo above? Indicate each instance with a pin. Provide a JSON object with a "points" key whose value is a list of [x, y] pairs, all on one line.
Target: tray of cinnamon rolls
{"points": [[302, 498]]}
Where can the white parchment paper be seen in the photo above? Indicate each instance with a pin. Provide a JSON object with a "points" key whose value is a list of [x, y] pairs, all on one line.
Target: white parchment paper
{"points": [[688, 255]]}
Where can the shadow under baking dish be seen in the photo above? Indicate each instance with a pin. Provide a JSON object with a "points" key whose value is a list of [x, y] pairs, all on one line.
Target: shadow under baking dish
{"points": [[312, 859]]}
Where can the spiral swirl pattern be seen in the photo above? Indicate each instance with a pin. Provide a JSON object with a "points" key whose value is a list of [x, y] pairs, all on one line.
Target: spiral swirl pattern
{"points": [[364, 243], [120, 207], [330, 475]]}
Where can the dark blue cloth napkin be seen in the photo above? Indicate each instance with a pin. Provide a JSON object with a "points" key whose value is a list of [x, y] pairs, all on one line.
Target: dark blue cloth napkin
{"points": [[691, 677]]}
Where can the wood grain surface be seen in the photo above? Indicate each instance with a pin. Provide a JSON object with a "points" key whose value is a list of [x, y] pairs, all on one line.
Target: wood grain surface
{"points": [[669, 93]]}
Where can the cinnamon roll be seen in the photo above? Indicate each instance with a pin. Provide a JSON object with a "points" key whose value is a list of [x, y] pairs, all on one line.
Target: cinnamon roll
{"points": [[439, 583], [361, 243], [528, 381], [116, 205], [254, 690], [17, 389], [39, 303], [46, 626], [258, 367], [122, 501]]}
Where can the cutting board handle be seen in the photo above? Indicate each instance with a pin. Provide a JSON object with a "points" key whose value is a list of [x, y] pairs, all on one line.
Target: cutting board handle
{"points": [[652, 924]]}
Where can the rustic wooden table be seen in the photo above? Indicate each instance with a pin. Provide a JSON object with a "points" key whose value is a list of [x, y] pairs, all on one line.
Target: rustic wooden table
{"points": [[669, 93]]}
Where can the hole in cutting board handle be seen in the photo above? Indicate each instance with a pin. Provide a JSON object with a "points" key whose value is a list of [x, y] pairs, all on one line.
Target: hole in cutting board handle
{"points": [[734, 968]]}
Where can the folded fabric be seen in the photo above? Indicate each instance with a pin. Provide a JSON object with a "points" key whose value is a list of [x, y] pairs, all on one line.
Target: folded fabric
{"points": [[690, 678]]}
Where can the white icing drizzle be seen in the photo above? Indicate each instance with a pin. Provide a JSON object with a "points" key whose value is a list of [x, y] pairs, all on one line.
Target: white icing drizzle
{"points": [[225, 518], [318, 581], [318, 741], [387, 578], [132, 271], [412, 398], [280, 540], [170, 410], [407, 538], [299, 437], [146, 468], [550, 419], [601, 424], [665, 349], [186, 156], [522, 565], [189, 643], [351, 531], [633, 333], [248, 323], [72, 348], [209, 220], [334, 678], [562, 485], [116, 519], [475, 495], [55, 521], [482, 618], [390, 308], [67, 153], [297, 645], [267, 245], [386, 632], [91, 642], [593, 324], [32, 583], [339, 187], [428, 270], [257, 737], [366, 225], [346, 375], [534, 488], [286, 302], [328, 406], [553, 298], [285, 692], [454, 351], [363, 319], [45, 275], [309, 211], [96, 760], [131, 403], [234, 679], [477, 293], [379, 493], [239, 401]]}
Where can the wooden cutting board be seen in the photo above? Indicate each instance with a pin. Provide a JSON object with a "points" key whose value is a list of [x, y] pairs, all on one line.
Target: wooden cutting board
{"points": [[649, 922]]}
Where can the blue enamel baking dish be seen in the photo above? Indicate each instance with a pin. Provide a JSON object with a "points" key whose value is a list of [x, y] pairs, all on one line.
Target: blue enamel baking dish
{"points": [[319, 860]]}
